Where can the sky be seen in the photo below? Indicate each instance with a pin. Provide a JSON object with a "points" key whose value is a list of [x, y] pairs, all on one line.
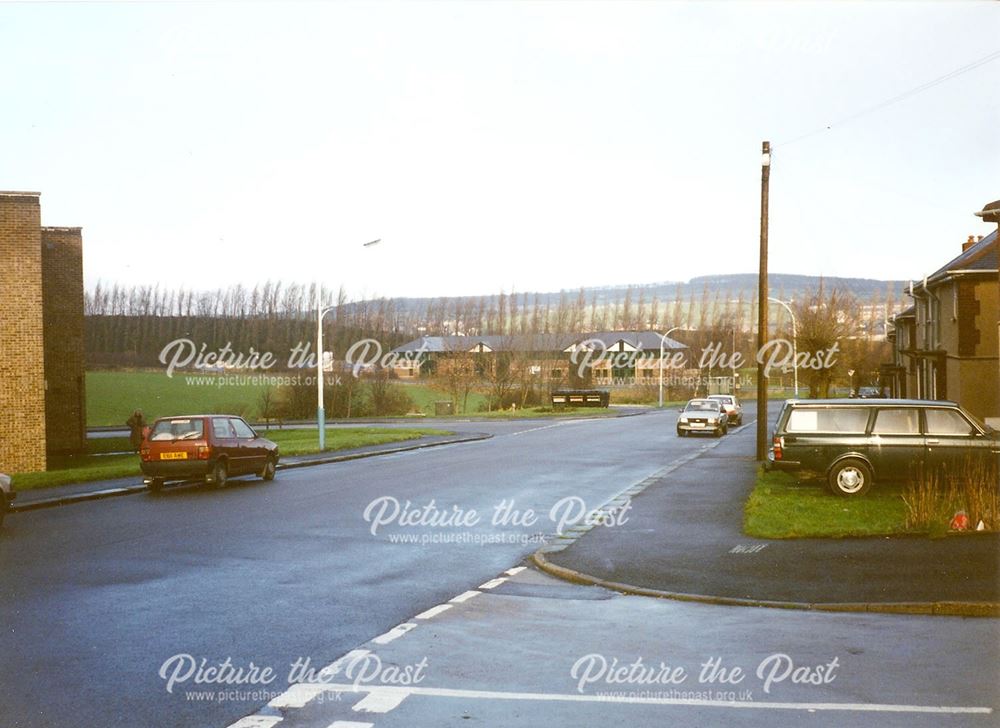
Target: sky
{"points": [[528, 146]]}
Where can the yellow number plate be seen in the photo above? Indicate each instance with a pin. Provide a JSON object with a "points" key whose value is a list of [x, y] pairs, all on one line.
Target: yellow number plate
{"points": [[173, 456]]}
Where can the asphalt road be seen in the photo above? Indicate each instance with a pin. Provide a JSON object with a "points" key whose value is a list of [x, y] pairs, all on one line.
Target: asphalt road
{"points": [[97, 596]]}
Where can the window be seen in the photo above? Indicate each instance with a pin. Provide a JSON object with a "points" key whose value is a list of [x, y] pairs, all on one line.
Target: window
{"points": [[222, 428], [946, 422], [243, 430], [849, 420], [897, 422], [179, 429]]}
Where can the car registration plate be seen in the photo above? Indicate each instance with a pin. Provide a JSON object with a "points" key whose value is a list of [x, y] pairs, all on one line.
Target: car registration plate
{"points": [[173, 456], [697, 424]]}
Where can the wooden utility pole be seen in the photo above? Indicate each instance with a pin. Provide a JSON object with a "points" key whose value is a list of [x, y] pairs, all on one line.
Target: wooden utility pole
{"points": [[765, 176]]}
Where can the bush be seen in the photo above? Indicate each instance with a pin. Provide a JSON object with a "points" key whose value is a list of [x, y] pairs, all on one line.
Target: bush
{"points": [[933, 498]]}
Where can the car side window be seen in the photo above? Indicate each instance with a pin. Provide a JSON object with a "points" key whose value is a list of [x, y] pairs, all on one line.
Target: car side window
{"points": [[946, 422], [221, 428], [243, 430], [897, 422]]}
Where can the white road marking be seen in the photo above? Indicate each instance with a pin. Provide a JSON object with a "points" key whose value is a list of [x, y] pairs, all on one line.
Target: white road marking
{"points": [[493, 583], [334, 667], [465, 596], [515, 571], [350, 724], [257, 721], [434, 611], [297, 695], [382, 700], [402, 693], [394, 633]]}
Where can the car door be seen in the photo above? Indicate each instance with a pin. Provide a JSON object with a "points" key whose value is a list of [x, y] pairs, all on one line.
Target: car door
{"points": [[896, 445], [953, 444], [226, 445], [252, 450]]}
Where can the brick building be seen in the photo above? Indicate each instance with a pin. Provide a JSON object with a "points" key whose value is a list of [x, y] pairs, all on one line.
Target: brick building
{"points": [[946, 344], [41, 337]]}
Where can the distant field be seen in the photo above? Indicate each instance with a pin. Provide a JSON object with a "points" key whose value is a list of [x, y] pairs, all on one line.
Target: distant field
{"points": [[113, 395]]}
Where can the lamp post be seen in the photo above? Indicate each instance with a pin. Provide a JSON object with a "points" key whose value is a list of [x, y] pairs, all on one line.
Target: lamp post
{"points": [[663, 339], [321, 311], [795, 349]]}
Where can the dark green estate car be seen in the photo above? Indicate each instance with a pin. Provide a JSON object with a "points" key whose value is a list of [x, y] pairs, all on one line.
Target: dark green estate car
{"points": [[854, 442]]}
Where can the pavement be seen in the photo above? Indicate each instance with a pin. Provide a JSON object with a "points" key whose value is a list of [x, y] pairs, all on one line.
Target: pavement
{"points": [[683, 537]]}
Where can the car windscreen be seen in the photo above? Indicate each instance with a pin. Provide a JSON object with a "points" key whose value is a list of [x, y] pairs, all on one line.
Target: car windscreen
{"points": [[703, 405], [851, 420], [177, 429]]}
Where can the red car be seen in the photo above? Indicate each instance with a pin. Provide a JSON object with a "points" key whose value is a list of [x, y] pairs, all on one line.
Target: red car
{"points": [[213, 447]]}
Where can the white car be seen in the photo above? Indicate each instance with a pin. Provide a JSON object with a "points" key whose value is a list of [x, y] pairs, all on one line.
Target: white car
{"points": [[702, 415], [732, 407], [6, 495]]}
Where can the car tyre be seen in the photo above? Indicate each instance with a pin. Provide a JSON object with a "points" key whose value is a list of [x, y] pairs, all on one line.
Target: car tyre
{"points": [[850, 477], [219, 474], [270, 467], [155, 485]]}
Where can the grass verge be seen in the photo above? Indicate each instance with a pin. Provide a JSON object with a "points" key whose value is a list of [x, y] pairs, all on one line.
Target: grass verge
{"points": [[95, 466], [784, 506]]}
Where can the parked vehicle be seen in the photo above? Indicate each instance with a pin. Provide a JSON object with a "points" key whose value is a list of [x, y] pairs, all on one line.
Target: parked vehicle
{"points": [[731, 405], [854, 443], [703, 415], [6, 495], [868, 393], [213, 447]]}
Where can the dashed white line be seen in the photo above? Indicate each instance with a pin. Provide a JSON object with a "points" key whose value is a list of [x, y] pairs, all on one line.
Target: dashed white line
{"points": [[382, 700], [493, 583], [350, 724], [334, 667], [515, 571], [257, 721], [297, 695], [465, 596], [434, 611], [394, 633]]}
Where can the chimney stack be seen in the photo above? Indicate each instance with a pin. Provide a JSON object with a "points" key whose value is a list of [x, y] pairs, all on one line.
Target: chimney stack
{"points": [[969, 243]]}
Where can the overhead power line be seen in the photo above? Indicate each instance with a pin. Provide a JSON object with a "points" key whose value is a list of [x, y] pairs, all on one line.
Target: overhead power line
{"points": [[899, 97]]}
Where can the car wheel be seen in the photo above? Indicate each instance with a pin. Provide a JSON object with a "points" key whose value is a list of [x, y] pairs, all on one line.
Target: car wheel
{"points": [[739, 421], [155, 485], [219, 474], [269, 469], [850, 477]]}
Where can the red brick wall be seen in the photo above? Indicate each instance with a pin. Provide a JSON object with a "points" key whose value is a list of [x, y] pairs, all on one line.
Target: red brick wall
{"points": [[62, 301], [22, 395]]}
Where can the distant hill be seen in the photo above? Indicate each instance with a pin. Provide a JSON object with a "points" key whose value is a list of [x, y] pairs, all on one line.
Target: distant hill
{"points": [[782, 285]]}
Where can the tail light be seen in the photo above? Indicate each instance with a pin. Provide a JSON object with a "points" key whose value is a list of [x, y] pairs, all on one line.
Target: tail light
{"points": [[144, 453], [204, 452], [776, 445]]}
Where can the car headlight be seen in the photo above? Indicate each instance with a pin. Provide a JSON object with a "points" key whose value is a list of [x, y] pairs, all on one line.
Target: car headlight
{"points": [[683, 418]]}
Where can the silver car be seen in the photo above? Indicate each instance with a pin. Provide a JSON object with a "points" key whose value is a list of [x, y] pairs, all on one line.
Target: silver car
{"points": [[702, 415]]}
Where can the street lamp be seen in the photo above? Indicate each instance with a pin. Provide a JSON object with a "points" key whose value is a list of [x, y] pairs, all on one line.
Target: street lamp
{"points": [[795, 351], [663, 339], [321, 311]]}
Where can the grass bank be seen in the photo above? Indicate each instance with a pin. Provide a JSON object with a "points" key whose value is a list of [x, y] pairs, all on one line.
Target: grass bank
{"points": [[783, 506], [97, 466]]}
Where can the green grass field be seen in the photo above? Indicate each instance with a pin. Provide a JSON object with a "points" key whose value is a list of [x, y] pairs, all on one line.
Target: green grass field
{"points": [[782, 506], [113, 395], [97, 466]]}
